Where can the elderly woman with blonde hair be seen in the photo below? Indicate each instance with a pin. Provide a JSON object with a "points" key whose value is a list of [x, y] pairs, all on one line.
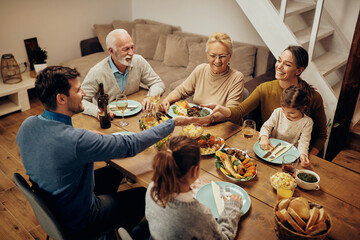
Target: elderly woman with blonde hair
{"points": [[212, 82]]}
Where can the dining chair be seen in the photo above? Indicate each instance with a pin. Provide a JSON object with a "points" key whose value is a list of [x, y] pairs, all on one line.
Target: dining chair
{"points": [[43, 214]]}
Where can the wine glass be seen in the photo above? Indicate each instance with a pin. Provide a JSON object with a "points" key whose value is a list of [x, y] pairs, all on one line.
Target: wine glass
{"points": [[121, 105], [249, 129]]}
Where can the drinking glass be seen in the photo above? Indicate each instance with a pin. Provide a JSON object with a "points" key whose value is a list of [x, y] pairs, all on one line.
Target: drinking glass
{"points": [[154, 97], [249, 129], [289, 164], [285, 191], [121, 105]]}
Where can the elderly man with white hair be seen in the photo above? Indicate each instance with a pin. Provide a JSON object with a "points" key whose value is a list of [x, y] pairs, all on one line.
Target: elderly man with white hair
{"points": [[121, 72]]}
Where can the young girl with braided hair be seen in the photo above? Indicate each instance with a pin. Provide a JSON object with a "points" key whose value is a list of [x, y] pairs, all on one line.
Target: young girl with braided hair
{"points": [[290, 123], [171, 209]]}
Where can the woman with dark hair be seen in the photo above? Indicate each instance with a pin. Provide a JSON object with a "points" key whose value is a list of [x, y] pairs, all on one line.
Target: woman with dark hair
{"points": [[289, 66], [171, 209]]}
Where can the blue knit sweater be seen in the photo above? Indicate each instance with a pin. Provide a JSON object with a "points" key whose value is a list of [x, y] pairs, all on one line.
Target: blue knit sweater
{"points": [[59, 158]]}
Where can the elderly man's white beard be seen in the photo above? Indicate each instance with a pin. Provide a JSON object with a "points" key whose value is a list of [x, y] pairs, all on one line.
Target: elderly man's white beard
{"points": [[123, 60]]}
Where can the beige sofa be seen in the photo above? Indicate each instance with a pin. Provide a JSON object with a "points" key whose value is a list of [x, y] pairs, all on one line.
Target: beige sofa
{"points": [[172, 53]]}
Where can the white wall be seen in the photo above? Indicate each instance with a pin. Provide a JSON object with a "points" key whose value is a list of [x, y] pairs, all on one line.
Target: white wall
{"points": [[200, 16], [345, 14], [59, 25]]}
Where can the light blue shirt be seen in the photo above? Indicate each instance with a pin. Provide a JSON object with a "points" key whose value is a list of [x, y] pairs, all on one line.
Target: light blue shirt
{"points": [[121, 78]]}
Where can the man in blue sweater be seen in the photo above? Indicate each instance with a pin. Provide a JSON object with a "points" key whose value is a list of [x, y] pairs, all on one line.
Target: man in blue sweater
{"points": [[59, 160]]}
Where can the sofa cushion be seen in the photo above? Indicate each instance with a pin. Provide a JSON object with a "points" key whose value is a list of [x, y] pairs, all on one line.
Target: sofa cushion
{"points": [[147, 21], [83, 64], [177, 50], [197, 55], [160, 48], [147, 36], [102, 30], [243, 59], [127, 25]]}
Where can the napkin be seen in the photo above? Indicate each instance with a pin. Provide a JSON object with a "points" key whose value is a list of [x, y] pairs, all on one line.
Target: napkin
{"points": [[217, 197], [280, 151]]}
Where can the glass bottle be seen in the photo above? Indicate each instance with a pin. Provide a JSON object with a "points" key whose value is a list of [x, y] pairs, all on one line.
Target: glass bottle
{"points": [[104, 113]]}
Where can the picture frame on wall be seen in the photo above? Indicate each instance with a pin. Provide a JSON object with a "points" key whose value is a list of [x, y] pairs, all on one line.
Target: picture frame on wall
{"points": [[30, 45]]}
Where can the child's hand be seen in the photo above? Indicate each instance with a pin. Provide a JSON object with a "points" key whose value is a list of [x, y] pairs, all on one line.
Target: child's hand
{"points": [[264, 143], [305, 162]]}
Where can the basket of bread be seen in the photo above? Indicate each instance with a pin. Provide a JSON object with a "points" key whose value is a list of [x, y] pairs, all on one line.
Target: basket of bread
{"points": [[300, 219]]}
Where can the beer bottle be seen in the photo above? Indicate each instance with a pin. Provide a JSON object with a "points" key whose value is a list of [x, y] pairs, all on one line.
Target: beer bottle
{"points": [[104, 113]]}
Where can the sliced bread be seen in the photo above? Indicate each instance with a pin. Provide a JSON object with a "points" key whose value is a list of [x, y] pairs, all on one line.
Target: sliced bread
{"points": [[297, 218], [292, 223], [314, 214], [317, 228], [301, 207], [322, 215], [281, 215]]}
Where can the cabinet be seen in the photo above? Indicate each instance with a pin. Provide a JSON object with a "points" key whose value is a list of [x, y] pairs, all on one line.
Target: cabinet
{"points": [[16, 95]]}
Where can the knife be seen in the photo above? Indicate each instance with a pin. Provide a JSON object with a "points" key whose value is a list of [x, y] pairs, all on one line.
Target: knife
{"points": [[271, 151], [130, 108]]}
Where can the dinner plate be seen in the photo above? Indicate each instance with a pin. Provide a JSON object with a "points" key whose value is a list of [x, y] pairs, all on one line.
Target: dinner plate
{"points": [[172, 114], [221, 147], [123, 133], [206, 197], [231, 177], [260, 152], [127, 113]]}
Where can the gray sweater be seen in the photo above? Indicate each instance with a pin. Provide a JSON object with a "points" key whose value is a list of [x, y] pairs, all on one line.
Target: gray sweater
{"points": [[140, 72], [191, 220]]}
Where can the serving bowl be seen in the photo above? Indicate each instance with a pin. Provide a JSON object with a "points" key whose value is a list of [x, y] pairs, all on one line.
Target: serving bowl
{"points": [[307, 185]]}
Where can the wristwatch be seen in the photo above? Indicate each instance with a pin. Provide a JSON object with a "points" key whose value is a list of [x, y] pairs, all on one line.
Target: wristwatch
{"points": [[212, 118]]}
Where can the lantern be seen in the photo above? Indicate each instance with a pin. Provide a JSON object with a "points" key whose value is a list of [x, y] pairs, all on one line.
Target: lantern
{"points": [[10, 70]]}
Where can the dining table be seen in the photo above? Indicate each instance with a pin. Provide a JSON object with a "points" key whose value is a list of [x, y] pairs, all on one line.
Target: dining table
{"points": [[339, 191]]}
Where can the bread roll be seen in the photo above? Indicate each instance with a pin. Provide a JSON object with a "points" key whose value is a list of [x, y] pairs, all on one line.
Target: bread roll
{"points": [[301, 207], [293, 224], [317, 228], [297, 218], [314, 214]]}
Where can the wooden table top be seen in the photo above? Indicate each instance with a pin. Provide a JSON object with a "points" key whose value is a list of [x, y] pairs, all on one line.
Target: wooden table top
{"points": [[339, 192]]}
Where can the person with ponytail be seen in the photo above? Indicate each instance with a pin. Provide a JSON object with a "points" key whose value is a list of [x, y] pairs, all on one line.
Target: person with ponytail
{"points": [[288, 68], [171, 209]]}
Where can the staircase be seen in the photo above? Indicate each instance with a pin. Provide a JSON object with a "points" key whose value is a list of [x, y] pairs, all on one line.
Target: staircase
{"points": [[306, 23]]}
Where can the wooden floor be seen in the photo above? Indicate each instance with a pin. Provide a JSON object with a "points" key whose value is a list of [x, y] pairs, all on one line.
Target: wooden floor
{"points": [[17, 221]]}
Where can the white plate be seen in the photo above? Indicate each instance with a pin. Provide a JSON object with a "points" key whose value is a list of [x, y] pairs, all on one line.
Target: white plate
{"points": [[238, 179], [205, 196], [221, 147], [172, 114], [260, 152], [127, 113]]}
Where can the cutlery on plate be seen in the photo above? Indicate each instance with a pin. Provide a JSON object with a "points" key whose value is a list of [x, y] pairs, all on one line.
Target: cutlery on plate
{"points": [[282, 150], [130, 108], [271, 151]]}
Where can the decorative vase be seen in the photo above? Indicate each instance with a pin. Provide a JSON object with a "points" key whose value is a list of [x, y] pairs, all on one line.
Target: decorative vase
{"points": [[39, 67]]}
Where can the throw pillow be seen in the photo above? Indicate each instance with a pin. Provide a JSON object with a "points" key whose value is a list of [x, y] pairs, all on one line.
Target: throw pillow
{"points": [[243, 59], [177, 51], [102, 30], [147, 36], [160, 48], [127, 25], [197, 55]]}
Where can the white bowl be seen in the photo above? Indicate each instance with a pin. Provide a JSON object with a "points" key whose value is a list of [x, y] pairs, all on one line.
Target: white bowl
{"points": [[307, 185]]}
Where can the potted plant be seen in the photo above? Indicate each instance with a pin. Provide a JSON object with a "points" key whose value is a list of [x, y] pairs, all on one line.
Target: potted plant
{"points": [[39, 57]]}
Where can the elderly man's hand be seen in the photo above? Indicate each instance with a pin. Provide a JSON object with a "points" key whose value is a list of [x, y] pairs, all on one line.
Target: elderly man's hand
{"points": [[182, 121], [147, 104], [164, 106]]}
